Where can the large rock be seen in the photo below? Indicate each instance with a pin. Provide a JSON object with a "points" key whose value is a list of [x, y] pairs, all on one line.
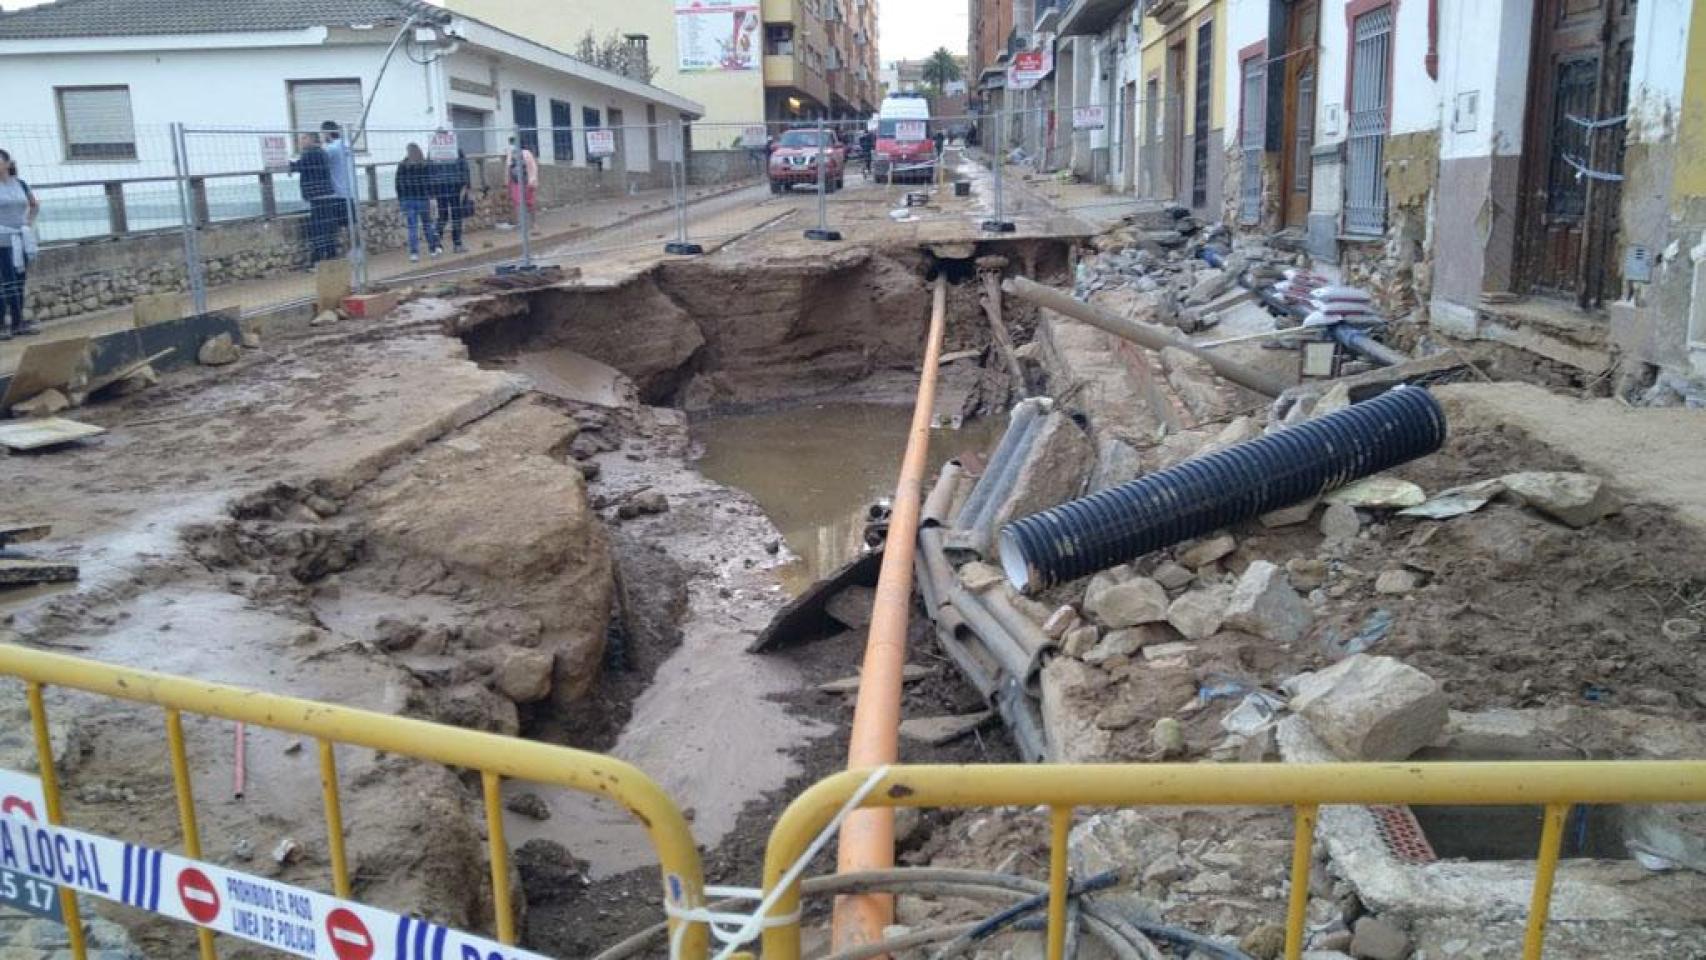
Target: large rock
{"points": [[217, 351], [1199, 613], [1371, 708], [524, 674], [44, 404], [1205, 552], [1340, 522], [1575, 499], [1061, 457], [1140, 600], [1263, 603], [1377, 938]]}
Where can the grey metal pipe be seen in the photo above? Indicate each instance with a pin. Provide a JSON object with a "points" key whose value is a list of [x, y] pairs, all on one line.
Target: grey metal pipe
{"points": [[976, 530], [1360, 343], [1145, 335], [968, 652], [1024, 720], [1025, 413], [1014, 659], [1022, 629]]}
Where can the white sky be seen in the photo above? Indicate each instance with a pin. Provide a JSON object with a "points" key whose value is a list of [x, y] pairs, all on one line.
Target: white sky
{"points": [[913, 29]]}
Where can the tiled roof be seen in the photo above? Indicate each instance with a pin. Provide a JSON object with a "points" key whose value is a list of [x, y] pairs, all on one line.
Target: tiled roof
{"points": [[136, 18]]}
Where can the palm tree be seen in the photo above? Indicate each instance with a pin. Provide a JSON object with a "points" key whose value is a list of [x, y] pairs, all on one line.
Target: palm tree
{"points": [[941, 69]]}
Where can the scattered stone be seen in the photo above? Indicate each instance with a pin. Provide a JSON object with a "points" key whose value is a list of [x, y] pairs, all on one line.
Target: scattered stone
{"points": [[1377, 938], [1263, 603], [1380, 493], [911, 673], [528, 805], [1266, 942], [936, 731], [523, 674], [392, 634], [324, 506], [243, 849], [590, 469], [293, 748], [1140, 600], [773, 546], [1064, 618], [549, 873], [1080, 640], [251, 340], [1573, 499], [1168, 739], [1340, 522], [1333, 940], [288, 850], [1371, 708], [1119, 715], [218, 351], [1306, 573], [644, 503], [324, 318], [1199, 613], [1290, 516], [1397, 582], [1211, 283], [1177, 650], [1208, 551], [1117, 643], [44, 404], [1173, 577], [979, 576]]}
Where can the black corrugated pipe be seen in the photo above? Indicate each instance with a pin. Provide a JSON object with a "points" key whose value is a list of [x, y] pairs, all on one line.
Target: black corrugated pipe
{"points": [[1210, 492]]}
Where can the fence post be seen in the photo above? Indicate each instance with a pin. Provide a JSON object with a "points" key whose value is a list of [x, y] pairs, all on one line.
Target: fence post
{"points": [[352, 214], [822, 231], [516, 180], [186, 208], [678, 182], [999, 222]]}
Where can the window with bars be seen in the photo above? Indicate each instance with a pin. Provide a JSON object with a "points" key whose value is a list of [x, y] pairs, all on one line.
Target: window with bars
{"points": [[97, 123], [1205, 94], [1252, 140], [526, 109], [562, 132], [1365, 150], [1302, 160]]}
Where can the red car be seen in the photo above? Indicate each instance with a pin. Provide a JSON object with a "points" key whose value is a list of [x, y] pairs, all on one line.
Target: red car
{"points": [[794, 160]]}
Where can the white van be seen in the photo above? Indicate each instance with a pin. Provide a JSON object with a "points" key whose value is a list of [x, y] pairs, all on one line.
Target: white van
{"points": [[903, 140]]}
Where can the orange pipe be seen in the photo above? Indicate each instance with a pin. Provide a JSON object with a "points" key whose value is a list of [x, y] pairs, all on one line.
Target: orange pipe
{"points": [[867, 836]]}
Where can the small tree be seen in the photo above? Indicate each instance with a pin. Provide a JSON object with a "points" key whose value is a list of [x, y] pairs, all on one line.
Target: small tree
{"points": [[941, 69]]}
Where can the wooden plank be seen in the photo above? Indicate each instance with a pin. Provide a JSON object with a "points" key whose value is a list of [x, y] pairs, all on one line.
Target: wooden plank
{"points": [[49, 432], [47, 366], [16, 571]]}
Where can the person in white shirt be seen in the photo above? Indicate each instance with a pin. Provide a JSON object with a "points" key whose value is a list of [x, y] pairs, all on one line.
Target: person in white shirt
{"points": [[18, 209]]}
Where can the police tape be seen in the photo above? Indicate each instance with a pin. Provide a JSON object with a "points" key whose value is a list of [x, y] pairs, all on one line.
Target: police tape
{"points": [[290, 919]]}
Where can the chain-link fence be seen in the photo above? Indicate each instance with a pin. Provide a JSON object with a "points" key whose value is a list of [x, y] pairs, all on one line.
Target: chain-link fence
{"points": [[244, 217]]}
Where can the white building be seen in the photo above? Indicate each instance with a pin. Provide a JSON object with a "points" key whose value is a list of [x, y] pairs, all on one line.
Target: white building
{"points": [[93, 86]]}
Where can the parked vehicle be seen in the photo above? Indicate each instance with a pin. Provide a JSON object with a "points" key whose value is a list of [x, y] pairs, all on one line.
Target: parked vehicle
{"points": [[904, 148], [795, 157]]}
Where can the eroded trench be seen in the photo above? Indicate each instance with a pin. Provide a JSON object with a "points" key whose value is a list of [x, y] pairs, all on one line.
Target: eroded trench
{"points": [[738, 428]]}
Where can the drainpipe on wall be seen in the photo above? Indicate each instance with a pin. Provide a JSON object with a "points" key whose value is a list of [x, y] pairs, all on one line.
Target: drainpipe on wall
{"points": [[1431, 61]]}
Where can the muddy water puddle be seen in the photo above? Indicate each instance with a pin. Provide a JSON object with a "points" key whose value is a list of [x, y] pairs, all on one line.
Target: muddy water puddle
{"points": [[815, 469]]}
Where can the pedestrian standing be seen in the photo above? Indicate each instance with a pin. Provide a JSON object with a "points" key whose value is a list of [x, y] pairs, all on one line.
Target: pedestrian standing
{"points": [[314, 179], [18, 209], [523, 178], [341, 163], [452, 188], [414, 195]]}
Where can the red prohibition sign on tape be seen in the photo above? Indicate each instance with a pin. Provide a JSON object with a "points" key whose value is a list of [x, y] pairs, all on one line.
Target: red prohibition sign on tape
{"points": [[349, 936], [200, 897], [13, 804]]}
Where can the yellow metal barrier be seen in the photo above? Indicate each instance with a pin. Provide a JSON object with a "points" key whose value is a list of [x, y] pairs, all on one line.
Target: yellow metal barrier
{"points": [[496, 757], [1304, 787]]}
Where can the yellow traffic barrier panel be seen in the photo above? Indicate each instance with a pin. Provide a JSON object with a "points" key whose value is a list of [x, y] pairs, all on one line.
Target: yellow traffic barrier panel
{"points": [[495, 757], [1304, 787]]}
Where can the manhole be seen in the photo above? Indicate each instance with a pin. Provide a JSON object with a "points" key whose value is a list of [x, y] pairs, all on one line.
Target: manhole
{"points": [[1480, 833]]}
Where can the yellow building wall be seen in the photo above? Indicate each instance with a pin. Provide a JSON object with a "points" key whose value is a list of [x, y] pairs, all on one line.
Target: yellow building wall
{"points": [[1690, 181], [731, 99], [1157, 37]]}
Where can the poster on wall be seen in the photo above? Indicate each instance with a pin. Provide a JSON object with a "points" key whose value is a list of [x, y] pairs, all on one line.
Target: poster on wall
{"points": [[601, 143], [1089, 118], [717, 36], [275, 153]]}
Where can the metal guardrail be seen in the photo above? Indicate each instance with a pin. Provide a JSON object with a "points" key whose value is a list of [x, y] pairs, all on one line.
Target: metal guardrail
{"points": [[1303, 787], [495, 757]]}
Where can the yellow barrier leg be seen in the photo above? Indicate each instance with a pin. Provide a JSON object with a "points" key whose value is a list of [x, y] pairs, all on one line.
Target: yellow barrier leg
{"points": [[500, 856], [1545, 872], [55, 815], [1302, 859], [186, 810], [1060, 820], [334, 819]]}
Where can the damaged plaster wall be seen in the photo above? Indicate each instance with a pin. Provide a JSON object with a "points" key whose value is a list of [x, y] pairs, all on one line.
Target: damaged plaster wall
{"points": [[1664, 197]]}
